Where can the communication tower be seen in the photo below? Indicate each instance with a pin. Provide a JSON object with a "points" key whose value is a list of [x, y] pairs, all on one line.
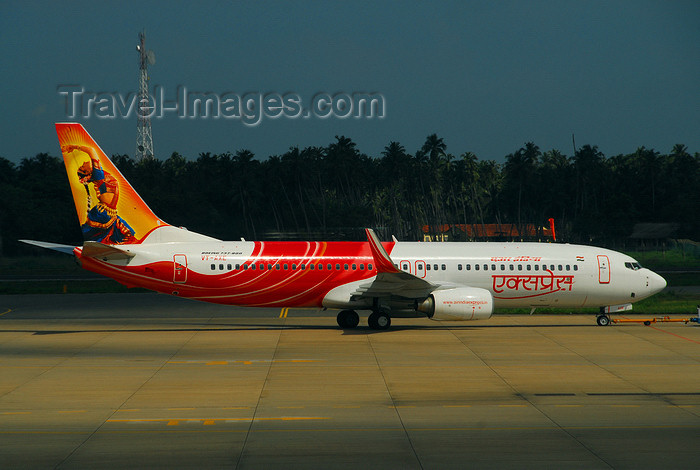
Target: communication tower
{"points": [[144, 138]]}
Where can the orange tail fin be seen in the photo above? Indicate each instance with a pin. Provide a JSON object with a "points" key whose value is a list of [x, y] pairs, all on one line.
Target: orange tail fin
{"points": [[109, 209]]}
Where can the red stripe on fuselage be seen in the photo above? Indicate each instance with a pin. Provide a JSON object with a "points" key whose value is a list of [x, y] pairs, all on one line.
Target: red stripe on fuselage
{"points": [[266, 287]]}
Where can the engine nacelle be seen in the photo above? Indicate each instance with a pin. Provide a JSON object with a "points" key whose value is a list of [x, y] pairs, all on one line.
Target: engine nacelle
{"points": [[458, 304]]}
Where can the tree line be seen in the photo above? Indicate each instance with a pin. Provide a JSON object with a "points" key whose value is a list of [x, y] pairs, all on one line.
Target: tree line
{"points": [[332, 192]]}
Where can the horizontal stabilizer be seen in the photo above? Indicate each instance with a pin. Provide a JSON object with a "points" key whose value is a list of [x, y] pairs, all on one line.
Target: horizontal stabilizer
{"points": [[68, 249], [105, 252]]}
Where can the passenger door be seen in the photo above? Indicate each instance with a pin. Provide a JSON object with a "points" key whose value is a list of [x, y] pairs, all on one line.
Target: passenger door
{"points": [[179, 269], [603, 269]]}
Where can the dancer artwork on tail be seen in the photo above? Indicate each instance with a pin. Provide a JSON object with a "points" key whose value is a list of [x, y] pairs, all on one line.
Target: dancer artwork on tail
{"points": [[93, 178]]}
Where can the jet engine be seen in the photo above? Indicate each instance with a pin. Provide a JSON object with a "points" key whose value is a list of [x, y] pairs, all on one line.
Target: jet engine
{"points": [[458, 304]]}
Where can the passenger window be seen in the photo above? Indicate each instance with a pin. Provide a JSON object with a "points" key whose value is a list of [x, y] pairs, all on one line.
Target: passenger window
{"points": [[252, 266], [329, 266], [369, 267], [345, 267], [575, 267], [476, 267], [443, 267], [503, 267], [551, 267], [405, 267], [286, 266], [427, 267], [486, 267], [303, 267], [560, 268], [245, 267], [362, 267], [221, 267], [510, 267], [469, 267], [262, 266], [337, 267], [520, 267], [493, 267], [320, 267], [537, 267], [294, 266], [529, 267], [420, 267], [435, 267], [238, 266], [568, 267], [229, 267], [213, 267], [354, 267], [459, 267]]}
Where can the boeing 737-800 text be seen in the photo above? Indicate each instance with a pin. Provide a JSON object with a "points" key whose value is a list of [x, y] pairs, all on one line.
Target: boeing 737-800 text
{"points": [[126, 241]]}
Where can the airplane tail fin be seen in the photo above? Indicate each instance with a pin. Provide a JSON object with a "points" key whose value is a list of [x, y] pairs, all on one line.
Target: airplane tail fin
{"points": [[109, 209]]}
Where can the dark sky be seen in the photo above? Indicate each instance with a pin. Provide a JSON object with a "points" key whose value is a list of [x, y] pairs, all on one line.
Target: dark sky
{"points": [[485, 76]]}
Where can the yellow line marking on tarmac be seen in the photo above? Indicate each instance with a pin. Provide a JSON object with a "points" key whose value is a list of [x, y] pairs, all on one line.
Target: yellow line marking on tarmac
{"points": [[72, 411], [180, 409], [17, 412], [513, 406], [625, 406], [456, 406], [284, 312], [8, 311], [212, 421], [246, 362], [289, 407], [237, 408], [569, 406], [292, 418]]}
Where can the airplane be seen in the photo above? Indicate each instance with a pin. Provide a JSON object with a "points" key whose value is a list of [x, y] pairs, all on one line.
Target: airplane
{"points": [[449, 281]]}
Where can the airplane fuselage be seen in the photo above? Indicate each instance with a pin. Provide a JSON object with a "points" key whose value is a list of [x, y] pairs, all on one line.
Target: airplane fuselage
{"points": [[325, 274]]}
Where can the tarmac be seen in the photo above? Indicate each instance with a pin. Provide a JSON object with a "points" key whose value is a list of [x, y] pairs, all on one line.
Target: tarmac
{"points": [[118, 381]]}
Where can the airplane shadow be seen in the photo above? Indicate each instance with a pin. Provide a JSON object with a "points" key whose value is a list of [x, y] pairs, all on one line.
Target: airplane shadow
{"points": [[360, 330]]}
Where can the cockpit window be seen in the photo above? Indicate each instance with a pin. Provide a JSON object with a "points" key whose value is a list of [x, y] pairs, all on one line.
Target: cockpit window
{"points": [[633, 266]]}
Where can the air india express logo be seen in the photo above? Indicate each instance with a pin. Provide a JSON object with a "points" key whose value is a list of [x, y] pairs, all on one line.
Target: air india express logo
{"points": [[523, 286]]}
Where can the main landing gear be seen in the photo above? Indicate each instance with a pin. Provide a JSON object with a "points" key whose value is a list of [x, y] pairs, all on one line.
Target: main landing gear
{"points": [[348, 319], [378, 320], [603, 320]]}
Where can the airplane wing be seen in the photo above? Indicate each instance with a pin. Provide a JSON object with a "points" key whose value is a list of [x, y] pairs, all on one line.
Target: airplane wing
{"points": [[390, 280]]}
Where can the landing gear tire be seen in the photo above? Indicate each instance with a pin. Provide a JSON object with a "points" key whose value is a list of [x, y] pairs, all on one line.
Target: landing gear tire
{"points": [[603, 320], [379, 321], [348, 319]]}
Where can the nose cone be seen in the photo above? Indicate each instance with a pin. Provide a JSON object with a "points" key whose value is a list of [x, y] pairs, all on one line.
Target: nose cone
{"points": [[656, 283]]}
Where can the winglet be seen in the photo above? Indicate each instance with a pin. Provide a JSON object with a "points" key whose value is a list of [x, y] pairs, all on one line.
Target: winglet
{"points": [[381, 257]]}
